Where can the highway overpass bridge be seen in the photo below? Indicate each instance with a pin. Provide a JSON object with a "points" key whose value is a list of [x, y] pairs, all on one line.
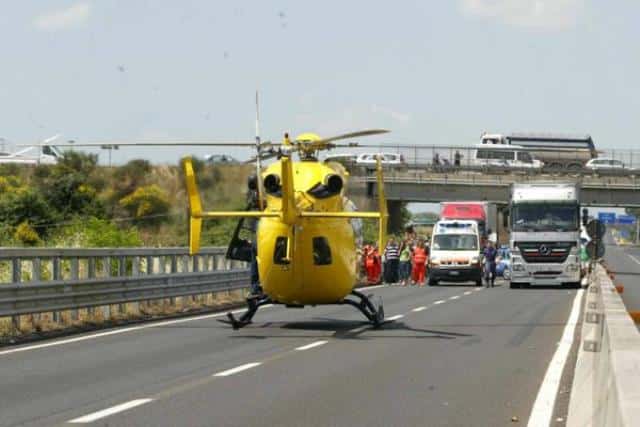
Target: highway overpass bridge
{"points": [[416, 186]]}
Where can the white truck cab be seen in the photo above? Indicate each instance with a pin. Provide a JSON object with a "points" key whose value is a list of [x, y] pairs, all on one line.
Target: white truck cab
{"points": [[454, 254], [545, 235]]}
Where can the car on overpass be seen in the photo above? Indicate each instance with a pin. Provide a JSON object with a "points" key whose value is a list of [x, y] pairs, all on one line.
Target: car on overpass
{"points": [[606, 164], [221, 159], [345, 159], [390, 160]]}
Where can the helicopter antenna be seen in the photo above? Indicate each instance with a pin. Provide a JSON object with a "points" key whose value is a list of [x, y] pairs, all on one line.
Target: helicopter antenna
{"points": [[258, 155]]}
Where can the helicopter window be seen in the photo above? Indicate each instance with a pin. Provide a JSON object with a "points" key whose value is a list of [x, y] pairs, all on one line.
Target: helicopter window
{"points": [[321, 251], [280, 251]]}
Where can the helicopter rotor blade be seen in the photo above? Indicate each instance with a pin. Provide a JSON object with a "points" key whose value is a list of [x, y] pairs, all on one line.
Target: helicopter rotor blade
{"points": [[153, 144], [352, 135]]}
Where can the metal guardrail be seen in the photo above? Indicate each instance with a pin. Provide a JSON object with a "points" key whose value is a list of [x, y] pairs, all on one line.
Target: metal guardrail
{"points": [[420, 156], [51, 279], [42, 264], [605, 388], [51, 296]]}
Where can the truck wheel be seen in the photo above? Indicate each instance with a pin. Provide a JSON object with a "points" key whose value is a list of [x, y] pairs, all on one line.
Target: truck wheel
{"points": [[479, 282], [432, 282]]}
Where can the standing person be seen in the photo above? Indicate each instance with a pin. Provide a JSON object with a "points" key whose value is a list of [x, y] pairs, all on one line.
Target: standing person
{"points": [[377, 264], [419, 263], [490, 253], [456, 158], [371, 264], [392, 260], [405, 263]]}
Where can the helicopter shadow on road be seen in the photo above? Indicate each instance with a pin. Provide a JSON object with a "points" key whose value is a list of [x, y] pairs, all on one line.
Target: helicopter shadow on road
{"points": [[343, 330]]}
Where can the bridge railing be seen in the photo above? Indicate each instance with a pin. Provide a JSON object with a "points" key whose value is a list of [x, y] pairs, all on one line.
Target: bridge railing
{"points": [[50, 280], [605, 389]]}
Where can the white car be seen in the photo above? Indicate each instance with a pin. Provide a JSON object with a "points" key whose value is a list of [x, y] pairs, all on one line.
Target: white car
{"points": [[604, 163], [504, 156], [387, 159]]}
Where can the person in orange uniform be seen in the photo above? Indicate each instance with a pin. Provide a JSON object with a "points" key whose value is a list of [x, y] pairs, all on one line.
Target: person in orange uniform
{"points": [[377, 264], [420, 259], [370, 265]]}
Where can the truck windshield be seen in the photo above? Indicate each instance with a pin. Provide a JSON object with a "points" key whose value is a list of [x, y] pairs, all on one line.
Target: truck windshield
{"points": [[455, 242], [545, 217]]}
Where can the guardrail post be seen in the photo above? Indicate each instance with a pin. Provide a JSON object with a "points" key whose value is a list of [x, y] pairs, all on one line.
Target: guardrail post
{"points": [[135, 266], [122, 272], [16, 275], [106, 266], [16, 270], [36, 267], [36, 276], [91, 274], [91, 268], [75, 275]]}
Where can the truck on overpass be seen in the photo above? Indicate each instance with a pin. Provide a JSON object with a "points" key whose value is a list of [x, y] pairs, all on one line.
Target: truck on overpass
{"points": [[558, 152]]}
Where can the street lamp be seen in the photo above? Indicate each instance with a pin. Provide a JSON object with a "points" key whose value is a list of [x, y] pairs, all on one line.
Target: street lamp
{"points": [[110, 148]]}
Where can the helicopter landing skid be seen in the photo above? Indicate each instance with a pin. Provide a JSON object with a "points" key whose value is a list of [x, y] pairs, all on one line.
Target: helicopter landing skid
{"points": [[254, 304], [374, 314]]}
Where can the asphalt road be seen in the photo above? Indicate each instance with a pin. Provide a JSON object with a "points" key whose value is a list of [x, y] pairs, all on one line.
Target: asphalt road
{"points": [[458, 356], [625, 262]]}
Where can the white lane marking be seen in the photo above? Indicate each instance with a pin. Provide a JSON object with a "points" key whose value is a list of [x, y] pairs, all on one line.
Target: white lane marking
{"points": [[237, 369], [468, 293], [109, 411], [417, 309], [312, 345], [545, 401], [359, 329], [441, 301], [454, 297], [396, 317], [634, 258], [372, 287], [478, 289], [119, 331]]}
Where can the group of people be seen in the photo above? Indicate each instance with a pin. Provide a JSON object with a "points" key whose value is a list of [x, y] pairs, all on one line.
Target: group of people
{"points": [[457, 160], [405, 262]]}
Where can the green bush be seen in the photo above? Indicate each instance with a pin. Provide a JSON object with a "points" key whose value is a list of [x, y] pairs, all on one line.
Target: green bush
{"points": [[25, 205], [26, 234], [147, 204]]}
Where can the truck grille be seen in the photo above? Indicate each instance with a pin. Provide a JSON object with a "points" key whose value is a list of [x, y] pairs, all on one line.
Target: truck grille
{"points": [[545, 252]]}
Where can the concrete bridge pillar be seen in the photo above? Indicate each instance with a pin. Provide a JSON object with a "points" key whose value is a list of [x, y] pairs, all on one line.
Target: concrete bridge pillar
{"points": [[395, 208]]}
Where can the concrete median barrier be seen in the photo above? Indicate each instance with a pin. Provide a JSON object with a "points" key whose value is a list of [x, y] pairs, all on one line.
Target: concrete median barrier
{"points": [[606, 383]]}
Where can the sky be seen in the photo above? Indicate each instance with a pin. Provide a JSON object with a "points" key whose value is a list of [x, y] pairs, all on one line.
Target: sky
{"points": [[433, 72]]}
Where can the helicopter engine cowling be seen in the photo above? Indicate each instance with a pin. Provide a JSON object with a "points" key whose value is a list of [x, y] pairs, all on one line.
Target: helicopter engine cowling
{"points": [[334, 183], [272, 184]]}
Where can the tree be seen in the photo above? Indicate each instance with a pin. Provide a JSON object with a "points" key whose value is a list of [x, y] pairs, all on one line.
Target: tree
{"points": [[26, 205]]}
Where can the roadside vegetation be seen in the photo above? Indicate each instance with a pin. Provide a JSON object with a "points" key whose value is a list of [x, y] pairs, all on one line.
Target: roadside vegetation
{"points": [[77, 203]]}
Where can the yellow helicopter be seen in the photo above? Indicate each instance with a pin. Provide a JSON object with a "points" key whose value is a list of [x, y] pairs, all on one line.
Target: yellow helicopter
{"points": [[306, 250], [306, 243]]}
